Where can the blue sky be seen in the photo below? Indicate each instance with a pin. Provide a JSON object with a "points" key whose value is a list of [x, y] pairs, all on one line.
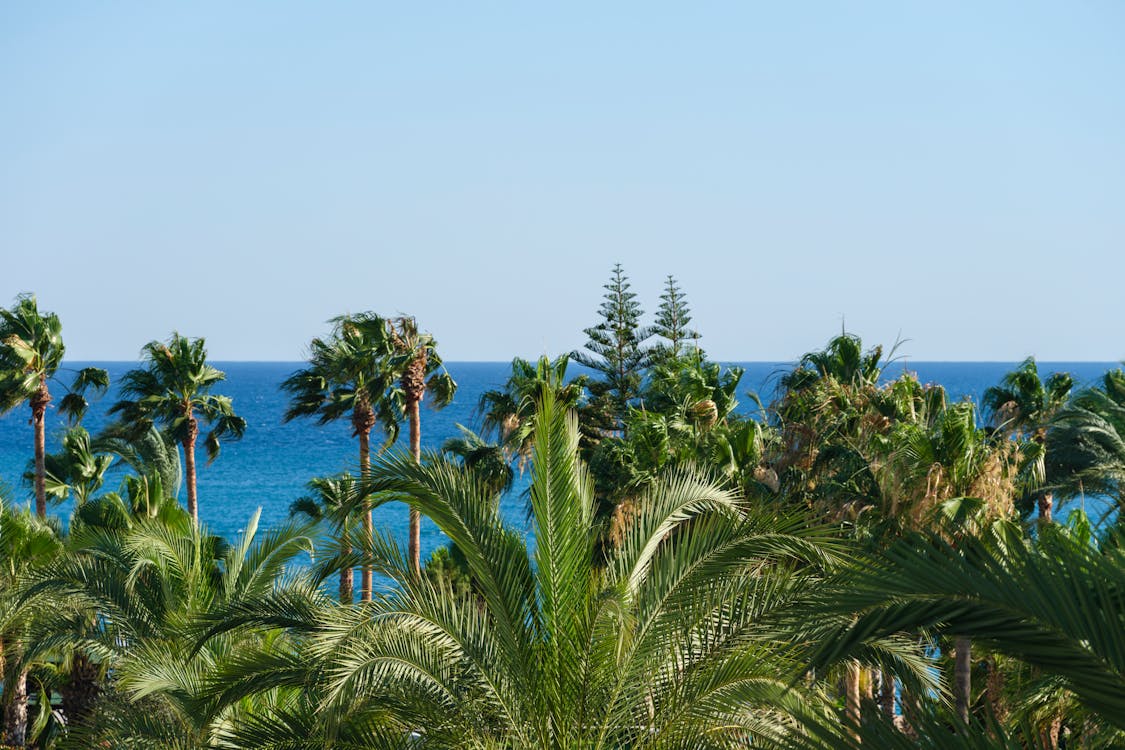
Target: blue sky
{"points": [[951, 173]]}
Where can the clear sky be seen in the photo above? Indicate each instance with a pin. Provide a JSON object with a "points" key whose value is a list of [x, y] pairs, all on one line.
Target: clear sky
{"points": [[951, 173]]}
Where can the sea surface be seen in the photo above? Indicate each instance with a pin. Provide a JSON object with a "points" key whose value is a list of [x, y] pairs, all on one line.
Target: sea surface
{"points": [[270, 466]]}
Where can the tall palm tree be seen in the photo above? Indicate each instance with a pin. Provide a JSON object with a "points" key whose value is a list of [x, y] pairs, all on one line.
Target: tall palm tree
{"points": [[174, 389], [418, 369], [348, 377], [31, 351], [1022, 406]]}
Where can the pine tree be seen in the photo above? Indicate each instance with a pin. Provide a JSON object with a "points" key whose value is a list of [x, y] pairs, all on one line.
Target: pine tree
{"points": [[614, 347], [672, 319]]}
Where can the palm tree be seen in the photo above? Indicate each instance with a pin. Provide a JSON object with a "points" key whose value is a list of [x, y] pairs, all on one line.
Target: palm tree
{"points": [[174, 389], [153, 453], [489, 461], [508, 414], [418, 369], [1022, 406], [31, 351], [348, 377], [333, 500], [833, 428], [78, 470], [657, 645], [842, 360]]}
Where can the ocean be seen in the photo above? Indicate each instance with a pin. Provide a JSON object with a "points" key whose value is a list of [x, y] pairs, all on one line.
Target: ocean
{"points": [[270, 466]]}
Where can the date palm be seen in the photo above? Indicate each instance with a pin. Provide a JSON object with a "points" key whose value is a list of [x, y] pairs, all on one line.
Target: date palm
{"points": [[174, 390], [418, 370], [31, 352], [348, 377]]}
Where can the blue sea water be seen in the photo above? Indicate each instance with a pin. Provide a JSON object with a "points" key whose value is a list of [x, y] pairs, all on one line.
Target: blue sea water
{"points": [[270, 466]]}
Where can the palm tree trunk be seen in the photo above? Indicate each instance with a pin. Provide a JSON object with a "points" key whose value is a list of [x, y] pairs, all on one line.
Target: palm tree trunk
{"points": [[887, 693], [189, 467], [80, 690], [910, 709], [851, 693], [994, 688], [347, 575], [962, 673], [1049, 735], [38, 417], [15, 702], [1046, 503], [415, 415], [367, 580]]}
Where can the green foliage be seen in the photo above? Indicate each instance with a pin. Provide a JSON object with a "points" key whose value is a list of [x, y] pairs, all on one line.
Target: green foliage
{"points": [[1055, 605], [1086, 441], [690, 578], [843, 361], [448, 570], [488, 461], [1023, 403], [150, 453], [152, 586], [654, 645]]}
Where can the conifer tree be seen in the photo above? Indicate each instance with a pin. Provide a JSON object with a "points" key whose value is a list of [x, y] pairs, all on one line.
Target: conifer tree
{"points": [[615, 345], [672, 319]]}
